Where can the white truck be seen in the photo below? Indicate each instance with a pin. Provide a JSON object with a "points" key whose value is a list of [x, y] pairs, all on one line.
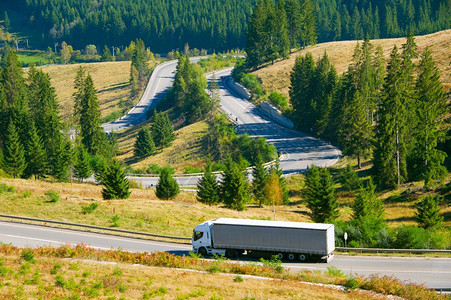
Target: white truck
{"points": [[288, 240]]}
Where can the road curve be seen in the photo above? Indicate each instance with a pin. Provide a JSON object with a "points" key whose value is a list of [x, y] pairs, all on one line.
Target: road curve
{"points": [[433, 272], [299, 151]]}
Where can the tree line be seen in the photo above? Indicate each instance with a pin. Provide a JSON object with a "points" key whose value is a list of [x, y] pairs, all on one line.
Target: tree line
{"points": [[394, 115], [219, 25], [35, 142]]}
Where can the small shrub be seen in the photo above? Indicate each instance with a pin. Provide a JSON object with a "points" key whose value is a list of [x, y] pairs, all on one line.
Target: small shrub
{"points": [[135, 184], [155, 293], [85, 274], [273, 263], [195, 255], [117, 272], [88, 209], [214, 269], [6, 188], [74, 267], [28, 255], [26, 194], [55, 268], [351, 283], [115, 220], [334, 271], [122, 287], [24, 269], [52, 196], [238, 279], [191, 170], [60, 281]]}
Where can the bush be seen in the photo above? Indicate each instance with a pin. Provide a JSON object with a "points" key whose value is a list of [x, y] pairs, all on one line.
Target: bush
{"points": [[238, 279], [52, 196], [252, 83], [6, 188], [351, 283], [278, 100], [115, 220], [28, 255], [191, 170], [88, 209]]}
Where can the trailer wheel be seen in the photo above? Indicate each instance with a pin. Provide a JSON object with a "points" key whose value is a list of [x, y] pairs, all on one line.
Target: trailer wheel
{"points": [[302, 257], [203, 251], [291, 256], [280, 256]]}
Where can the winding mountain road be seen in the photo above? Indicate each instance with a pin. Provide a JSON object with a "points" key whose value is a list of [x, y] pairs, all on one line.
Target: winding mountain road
{"points": [[299, 150]]}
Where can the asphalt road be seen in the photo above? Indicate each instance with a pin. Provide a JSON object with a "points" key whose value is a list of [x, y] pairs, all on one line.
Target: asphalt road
{"points": [[298, 150], [433, 272]]}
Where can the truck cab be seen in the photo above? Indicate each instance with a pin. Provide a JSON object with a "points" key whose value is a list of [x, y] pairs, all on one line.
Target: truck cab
{"points": [[201, 240]]}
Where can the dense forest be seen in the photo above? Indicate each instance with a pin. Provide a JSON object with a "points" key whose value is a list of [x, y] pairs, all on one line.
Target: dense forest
{"points": [[215, 25]]}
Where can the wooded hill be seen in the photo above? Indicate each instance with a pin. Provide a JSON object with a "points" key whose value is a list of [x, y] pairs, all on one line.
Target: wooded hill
{"points": [[219, 25]]}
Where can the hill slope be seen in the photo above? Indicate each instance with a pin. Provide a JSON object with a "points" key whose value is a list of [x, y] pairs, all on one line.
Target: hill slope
{"points": [[277, 77]]}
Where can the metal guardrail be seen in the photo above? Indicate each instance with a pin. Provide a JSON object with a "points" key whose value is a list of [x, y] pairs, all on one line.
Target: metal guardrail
{"points": [[94, 227], [344, 249]]}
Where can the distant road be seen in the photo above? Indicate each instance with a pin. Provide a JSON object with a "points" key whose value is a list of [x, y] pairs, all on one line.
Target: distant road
{"points": [[433, 272]]}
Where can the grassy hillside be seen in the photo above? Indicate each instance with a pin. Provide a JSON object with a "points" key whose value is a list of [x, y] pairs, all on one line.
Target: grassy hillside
{"points": [[277, 77], [111, 79], [83, 273]]}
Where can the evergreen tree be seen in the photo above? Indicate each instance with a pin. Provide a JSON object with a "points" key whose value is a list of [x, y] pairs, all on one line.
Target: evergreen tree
{"points": [[44, 109], [349, 178], [308, 24], [368, 214], [428, 212], [116, 184], [139, 61], [390, 153], [144, 145], [430, 111], [13, 152], [259, 175], [79, 82], [235, 190], [282, 183], [62, 159], [35, 154], [256, 36], [207, 187], [134, 81], [82, 168], [106, 54], [91, 133], [167, 187], [320, 195], [13, 98], [293, 11], [162, 130]]}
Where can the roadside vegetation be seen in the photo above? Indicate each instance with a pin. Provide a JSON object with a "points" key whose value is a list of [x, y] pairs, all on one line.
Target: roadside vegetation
{"points": [[84, 272]]}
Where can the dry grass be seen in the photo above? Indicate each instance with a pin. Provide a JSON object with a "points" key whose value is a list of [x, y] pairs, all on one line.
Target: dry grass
{"points": [[186, 150], [111, 79], [106, 280], [277, 77]]}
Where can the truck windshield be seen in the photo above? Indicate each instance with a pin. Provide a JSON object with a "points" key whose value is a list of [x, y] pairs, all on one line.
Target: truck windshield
{"points": [[197, 235]]}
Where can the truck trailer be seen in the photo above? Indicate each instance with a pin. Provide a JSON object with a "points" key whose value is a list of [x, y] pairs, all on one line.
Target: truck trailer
{"points": [[288, 240]]}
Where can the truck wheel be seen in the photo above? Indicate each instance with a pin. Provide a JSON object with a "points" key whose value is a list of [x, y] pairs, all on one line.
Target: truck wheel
{"points": [[280, 256], [291, 256], [302, 257], [203, 251]]}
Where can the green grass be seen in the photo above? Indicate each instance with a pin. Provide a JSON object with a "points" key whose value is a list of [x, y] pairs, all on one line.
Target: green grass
{"points": [[36, 57]]}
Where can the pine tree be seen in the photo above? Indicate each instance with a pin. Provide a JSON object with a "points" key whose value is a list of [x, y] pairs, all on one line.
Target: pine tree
{"points": [[390, 153], [116, 184], [308, 24], [276, 168], [430, 111], [144, 145], [139, 60], [259, 175], [368, 214], [91, 133], [293, 11], [82, 168], [162, 130], [256, 36], [320, 195], [106, 54], [207, 187], [167, 187], [13, 152], [62, 159], [428, 212], [14, 104], [134, 81], [35, 154], [349, 178], [79, 83], [235, 190]]}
